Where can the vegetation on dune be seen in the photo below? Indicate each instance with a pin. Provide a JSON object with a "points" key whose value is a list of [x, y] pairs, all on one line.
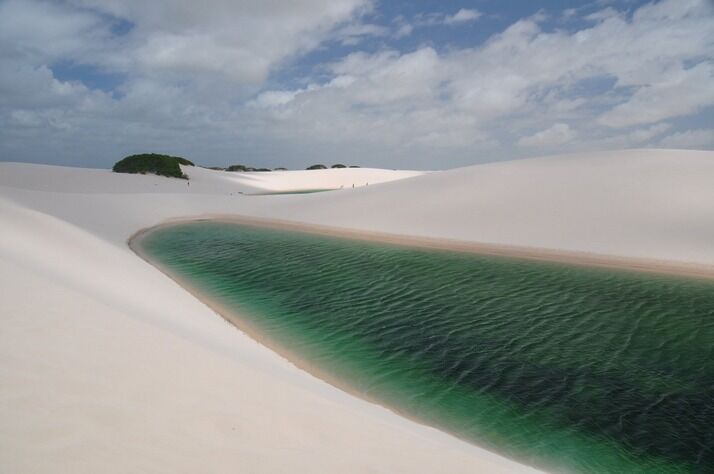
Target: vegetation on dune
{"points": [[166, 165], [162, 165], [244, 168]]}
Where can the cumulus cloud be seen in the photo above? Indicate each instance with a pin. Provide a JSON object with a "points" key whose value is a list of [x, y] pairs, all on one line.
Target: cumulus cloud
{"points": [[243, 41], [41, 32], [527, 75]]}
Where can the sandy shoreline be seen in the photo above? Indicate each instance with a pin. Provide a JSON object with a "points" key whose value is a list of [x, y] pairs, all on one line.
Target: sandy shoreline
{"points": [[661, 267]]}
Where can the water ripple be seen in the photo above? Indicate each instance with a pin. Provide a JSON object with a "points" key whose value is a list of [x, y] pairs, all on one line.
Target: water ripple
{"points": [[587, 369]]}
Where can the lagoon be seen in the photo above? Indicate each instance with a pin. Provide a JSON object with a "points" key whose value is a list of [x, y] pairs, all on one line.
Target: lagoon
{"points": [[563, 367]]}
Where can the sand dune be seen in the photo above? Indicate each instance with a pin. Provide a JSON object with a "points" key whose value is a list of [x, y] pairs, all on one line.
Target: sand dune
{"points": [[649, 204], [203, 181], [109, 366], [306, 180]]}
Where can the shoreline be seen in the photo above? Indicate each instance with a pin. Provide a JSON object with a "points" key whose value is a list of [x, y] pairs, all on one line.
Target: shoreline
{"points": [[581, 259]]}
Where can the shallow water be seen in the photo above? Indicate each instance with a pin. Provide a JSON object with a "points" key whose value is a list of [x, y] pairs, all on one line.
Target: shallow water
{"points": [[563, 367]]}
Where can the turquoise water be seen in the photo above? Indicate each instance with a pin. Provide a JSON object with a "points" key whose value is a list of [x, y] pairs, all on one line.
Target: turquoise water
{"points": [[566, 368]]}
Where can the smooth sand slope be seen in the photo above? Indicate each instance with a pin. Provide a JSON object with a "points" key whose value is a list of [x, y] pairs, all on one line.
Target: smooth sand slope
{"points": [[645, 204], [106, 365]]}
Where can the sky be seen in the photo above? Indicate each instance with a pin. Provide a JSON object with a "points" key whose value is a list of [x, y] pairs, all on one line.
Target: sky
{"points": [[387, 83]]}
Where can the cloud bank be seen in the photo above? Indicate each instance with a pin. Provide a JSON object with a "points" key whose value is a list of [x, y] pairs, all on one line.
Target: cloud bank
{"points": [[289, 83]]}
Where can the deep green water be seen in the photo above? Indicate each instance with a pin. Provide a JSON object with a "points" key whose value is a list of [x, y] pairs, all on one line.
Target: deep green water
{"points": [[564, 367]]}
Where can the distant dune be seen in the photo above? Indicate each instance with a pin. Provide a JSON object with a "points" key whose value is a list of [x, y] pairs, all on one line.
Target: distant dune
{"points": [[203, 180], [109, 366]]}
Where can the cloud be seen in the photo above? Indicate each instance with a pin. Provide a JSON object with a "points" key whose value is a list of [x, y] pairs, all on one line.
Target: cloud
{"points": [[354, 33], [462, 16], [238, 77], [402, 27], [643, 135], [43, 32], [697, 139], [558, 134], [469, 99], [234, 40], [675, 92]]}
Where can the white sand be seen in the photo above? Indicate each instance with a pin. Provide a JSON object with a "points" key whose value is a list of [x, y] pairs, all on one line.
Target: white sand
{"points": [[203, 180], [106, 365]]}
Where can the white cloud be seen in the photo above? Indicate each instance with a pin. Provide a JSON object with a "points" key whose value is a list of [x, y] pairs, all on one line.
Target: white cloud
{"points": [[462, 16], [389, 77], [639, 137], [558, 134], [354, 33], [212, 80], [604, 14], [697, 139], [274, 98], [402, 27], [643, 135], [42, 31], [241, 40], [675, 92]]}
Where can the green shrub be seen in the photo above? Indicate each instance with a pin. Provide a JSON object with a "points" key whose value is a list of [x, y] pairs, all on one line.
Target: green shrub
{"points": [[163, 165], [339, 165], [182, 161], [243, 168], [317, 167]]}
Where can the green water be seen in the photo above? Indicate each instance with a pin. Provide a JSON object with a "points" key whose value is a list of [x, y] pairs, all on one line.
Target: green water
{"points": [[566, 368]]}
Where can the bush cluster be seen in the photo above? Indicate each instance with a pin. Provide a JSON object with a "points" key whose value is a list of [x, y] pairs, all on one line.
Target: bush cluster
{"points": [[244, 168], [163, 165], [323, 167]]}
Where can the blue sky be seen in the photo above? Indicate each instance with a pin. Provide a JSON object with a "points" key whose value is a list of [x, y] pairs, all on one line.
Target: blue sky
{"points": [[408, 84]]}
